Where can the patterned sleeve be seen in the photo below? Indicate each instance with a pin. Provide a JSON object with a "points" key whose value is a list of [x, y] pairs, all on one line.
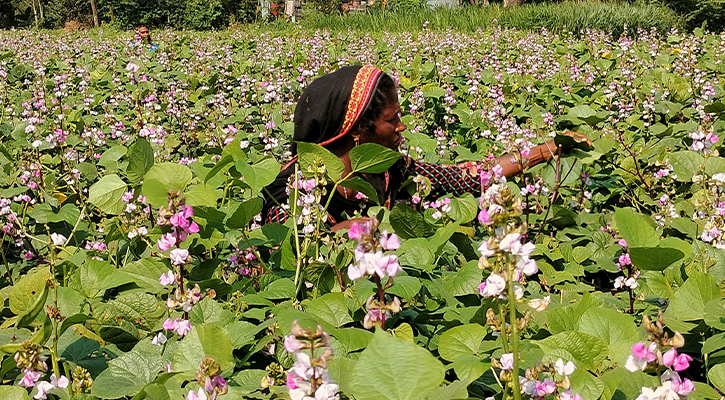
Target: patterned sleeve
{"points": [[275, 213], [447, 179]]}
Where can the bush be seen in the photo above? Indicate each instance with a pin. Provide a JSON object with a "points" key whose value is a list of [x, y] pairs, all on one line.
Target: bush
{"points": [[699, 13]]}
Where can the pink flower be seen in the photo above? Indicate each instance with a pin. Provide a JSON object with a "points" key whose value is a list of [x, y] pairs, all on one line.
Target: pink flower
{"points": [[682, 362], [624, 259], [171, 325], [29, 378], [622, 242], [61, 383], [568, 395], [355, 232], [493, 286], [291, 382], [374, 317], [166, 241], [389, 242], [167, 278], [183, 327], [388, 264], [291, 344], [644, 353], [484, 218], [682, 387], [198, 395], [546, 387], [179, 256]]}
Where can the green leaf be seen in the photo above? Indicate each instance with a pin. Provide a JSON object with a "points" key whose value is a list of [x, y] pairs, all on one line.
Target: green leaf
{"points": [[352, 339], [636, 228], [258, 175], [129, 373], [378, 376], [464, 209], [688, 302], [562, 319], [140, 160], [13, 393], [685, 164], [408, 223], [244, 213], [717, 376], [209, 311], [616, 330], [465, 281], [372, 158], [456, 390], [106, 194], [406, 287], [632, 383], [415, 251], [654, 258], [461, 340], [242, 332], [341, 369], [248, 380], [201, 195], [33, 309], [162, 178], [280, 289], [586, 385], [202, 341], [588, 351], [715, 314], [146, 273], [27, 289], [362, 186], [110, 157], [330, 308], [468, 367], [310, 152]]}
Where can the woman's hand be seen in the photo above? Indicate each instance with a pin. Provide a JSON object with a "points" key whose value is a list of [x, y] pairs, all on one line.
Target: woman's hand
{"points": [[578, 137]]}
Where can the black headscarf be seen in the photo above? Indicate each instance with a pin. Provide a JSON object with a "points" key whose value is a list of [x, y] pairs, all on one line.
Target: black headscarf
{"points": [[320, 117]]}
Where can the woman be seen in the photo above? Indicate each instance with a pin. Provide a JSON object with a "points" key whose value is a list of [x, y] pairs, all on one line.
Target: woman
{"points": [[143, 37], [359, 104]]}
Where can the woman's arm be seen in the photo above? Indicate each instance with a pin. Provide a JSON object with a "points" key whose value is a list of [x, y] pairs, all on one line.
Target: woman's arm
{"points": [[513, 164]]}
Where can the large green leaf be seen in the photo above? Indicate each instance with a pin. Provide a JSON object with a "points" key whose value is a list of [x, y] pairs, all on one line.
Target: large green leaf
{"points": [[616, 329], [406, 287], [106, 194], [688, 302], [465, 281], [464, 209], [140, 160], [27, 289], [461, 340], [310, 152], [468, 367], [654, 258], [408, 223], [258, 175], [685, 164], [372, 158], [202, 341], [717, 376], [395, 369], [636, 229], [362, 186], [330, 308], [588, 351], [146, 273], [129, 373], [586, 385], [13, 393], [244, 213], [161, 179]]}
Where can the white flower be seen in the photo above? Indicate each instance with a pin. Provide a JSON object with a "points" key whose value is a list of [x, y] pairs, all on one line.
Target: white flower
{"points": [[37, 143], [58, 239], [634, 364], [159, 339], [179, 256], [564, 369], [512, 239], [720, 177], [43, 388], [493, 286], [485, 251]]}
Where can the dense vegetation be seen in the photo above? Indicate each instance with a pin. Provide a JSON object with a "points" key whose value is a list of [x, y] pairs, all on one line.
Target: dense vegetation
{"points": [[133, 264]]}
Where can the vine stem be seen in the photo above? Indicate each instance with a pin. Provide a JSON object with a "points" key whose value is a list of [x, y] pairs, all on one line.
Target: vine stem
{"points": [[381, 297], [293, 209], [514, 333]]}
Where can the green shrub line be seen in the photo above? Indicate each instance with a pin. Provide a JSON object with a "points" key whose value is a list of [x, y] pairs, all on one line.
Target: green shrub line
{"points": [[568, 16]]}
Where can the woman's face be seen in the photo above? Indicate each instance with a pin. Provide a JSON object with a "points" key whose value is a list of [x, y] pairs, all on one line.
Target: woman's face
{"points": [[389, 127]]}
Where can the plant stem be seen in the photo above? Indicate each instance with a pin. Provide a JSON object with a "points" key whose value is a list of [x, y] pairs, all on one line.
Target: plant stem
{"points": [[514, 333], [293, 209]]}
